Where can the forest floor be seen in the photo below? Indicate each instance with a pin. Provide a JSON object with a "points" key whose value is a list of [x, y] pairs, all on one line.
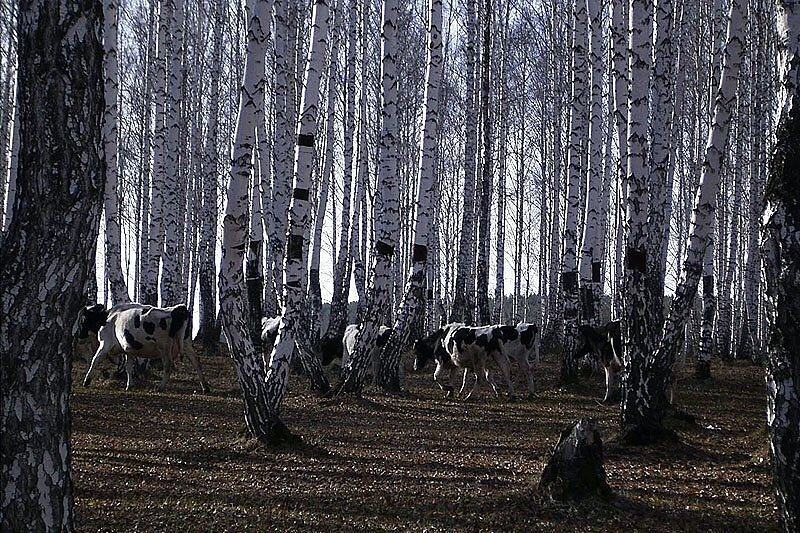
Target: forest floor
{"points": [[175, 461]]}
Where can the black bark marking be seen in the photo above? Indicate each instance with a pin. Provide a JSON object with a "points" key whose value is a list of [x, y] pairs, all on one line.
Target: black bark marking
{"points": [[420, 253], [305, 139], [636, 259], [300, 194], [383, 248], [708, 285], [569, 281], [295, 248], [596, 274]]}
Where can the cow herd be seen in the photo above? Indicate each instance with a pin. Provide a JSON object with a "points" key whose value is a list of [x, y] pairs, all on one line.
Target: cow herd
{"points": [[133, 330]]}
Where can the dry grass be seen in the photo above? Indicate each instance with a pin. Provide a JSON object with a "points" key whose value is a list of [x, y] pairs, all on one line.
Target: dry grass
{"points": [[147, 461]]}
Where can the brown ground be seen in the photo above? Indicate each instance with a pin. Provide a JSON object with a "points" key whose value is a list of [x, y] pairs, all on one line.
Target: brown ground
{"points": [[146, 461]]}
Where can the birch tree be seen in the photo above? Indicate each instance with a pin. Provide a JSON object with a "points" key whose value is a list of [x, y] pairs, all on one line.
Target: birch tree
{"points": [[171, 291], [155, 239], [578, 138], [485, 192], [591, 259], [119, 290], [463, 302], [209, 329], [46, 256], [659, 187], [263, 387], [414, 299], [645, 391], [781, 250], [386, 221]]}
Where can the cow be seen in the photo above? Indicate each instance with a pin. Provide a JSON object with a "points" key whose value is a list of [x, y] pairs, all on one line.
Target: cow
{"points": [[134, 330], [519, 343], [331, 349], [605, 343], [464, 347]]}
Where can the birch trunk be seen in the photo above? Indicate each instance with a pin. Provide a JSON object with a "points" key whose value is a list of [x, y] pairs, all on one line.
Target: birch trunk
{"points": [[660, 196], [645, 394], [635, 298], [780, 251], [591, 260], [386, 222], [171, 290], [414, 298], [119, 291], [7, 107], [327, 179], [290, 335], [262, 388], [155, 239], [485, 193], [59, 200], [250, 117], [619, 37], [578, 138], [209, 328], [284, 141], [463, 302]]}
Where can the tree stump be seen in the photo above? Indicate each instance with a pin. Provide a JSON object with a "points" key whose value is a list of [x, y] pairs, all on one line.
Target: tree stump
{"points": [[575, 468]]}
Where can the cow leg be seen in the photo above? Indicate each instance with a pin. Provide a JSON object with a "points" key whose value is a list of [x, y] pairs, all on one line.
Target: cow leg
{"points": [[102, 351], [130, 370], [196, 364], [439, 375], [479, 370], [464, 382], [166, 362], [612, 385], [490, 380], [527, 370], [505, 368]]}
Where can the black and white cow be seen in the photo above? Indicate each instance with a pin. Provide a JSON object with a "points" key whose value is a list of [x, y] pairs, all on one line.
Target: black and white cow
{"points": [[521, 343], [332, 349], [134, 330], [456, 346], [605, 343]]}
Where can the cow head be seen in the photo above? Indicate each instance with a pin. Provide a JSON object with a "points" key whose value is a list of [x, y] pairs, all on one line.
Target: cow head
{"points": [[425, 349], [330, 348], [91, 319]]}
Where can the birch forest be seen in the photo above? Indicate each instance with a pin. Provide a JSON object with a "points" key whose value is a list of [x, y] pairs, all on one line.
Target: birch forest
{"points": [[407, 265]]}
